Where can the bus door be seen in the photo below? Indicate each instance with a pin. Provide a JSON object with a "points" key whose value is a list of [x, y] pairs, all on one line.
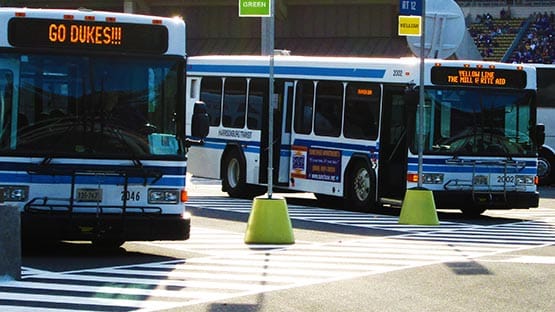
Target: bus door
{"points": [[285, 144], [283, 93], [393, 144]]}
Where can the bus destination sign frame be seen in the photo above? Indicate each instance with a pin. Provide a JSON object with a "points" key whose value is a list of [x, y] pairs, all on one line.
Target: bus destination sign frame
{"points": [[88, 35], [478, 77]]}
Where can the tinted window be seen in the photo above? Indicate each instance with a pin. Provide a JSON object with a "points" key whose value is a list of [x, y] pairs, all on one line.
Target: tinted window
{"points": [[546, 87], [235, 91], [362, 107], [257, 96], [303, 106], [95, 106], [211, 94], [328, 111]]}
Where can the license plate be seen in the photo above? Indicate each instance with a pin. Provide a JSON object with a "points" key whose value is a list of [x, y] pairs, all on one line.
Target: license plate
{"points": [[89, 195]]}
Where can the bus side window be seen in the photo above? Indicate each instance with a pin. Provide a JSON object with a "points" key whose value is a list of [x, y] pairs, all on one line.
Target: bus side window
{"points": [[362, 106], [211, 95], [328, 112], [257, 97], [234, 108], [303, 106]]}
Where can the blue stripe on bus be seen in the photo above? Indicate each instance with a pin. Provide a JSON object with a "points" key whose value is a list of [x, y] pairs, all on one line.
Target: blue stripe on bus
{"points": [[287, 70], [470, 169], [441, 161], [348, 149], [439, 165], [22, 166], [345, 147], [220, 144], [17, 172], [176, 181], [217, 143]]}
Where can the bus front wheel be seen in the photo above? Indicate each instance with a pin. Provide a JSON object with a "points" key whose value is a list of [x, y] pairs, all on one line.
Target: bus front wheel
{"points": [[360, 186], [233, 175], [546, 161]]}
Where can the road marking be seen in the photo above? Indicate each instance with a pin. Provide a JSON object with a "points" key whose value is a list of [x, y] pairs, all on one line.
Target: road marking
{"points": [[322, 215], [232, 268], [83, 301], [528, 233]]}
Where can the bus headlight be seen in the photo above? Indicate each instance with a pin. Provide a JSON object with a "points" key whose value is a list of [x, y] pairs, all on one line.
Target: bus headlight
{"points": [[524, 180], [432, 178], [163, 196], [15, 193]]}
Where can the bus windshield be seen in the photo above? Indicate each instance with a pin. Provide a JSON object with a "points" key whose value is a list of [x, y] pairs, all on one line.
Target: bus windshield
{"points": [[478, 121], [90, 106]]}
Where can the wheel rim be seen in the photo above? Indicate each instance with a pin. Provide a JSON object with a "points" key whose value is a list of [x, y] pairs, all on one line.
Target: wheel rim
{"points": [[233, 173], [361, 184]]}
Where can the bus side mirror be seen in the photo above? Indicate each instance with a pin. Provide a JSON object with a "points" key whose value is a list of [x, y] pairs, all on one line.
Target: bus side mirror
{"points": [[200, 124], [540, 134]]}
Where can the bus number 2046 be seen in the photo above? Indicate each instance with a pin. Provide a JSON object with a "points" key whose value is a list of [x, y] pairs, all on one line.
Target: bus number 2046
{"points": [[130, 196]]}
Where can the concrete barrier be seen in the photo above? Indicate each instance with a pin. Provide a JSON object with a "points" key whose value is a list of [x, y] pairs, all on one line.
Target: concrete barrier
{"points": [[10, 243]]}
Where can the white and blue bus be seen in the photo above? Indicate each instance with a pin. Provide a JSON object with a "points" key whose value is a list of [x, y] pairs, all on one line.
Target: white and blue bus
{"points": [[346, 128], [545, 74], [91, 125]]}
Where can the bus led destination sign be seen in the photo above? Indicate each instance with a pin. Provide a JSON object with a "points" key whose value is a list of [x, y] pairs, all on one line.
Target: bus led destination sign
{"points": [[84, 34], [70, 34], [501, 78]]}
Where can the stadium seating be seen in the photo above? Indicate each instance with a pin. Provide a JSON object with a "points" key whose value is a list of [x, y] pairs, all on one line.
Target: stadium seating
{"points": [[537, 44], [494, 36]]}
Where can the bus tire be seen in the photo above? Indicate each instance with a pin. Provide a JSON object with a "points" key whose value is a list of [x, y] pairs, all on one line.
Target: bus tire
{"points": [[360, 187], [546, 161], [234, 175], [473, 211]]}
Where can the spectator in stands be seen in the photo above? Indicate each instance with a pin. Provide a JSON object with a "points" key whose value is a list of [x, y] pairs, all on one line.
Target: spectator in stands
{"points": [[505, 14], [538, 45], [485, 37]]}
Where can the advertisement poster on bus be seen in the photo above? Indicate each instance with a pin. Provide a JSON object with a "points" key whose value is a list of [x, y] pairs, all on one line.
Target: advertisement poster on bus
{"points": [[316, 164]]}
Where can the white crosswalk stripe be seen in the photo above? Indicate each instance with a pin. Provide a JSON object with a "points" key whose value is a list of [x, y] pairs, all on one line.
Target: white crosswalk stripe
{"points": [[230, 268], [538, 214], [527, 233], [323, 215]]}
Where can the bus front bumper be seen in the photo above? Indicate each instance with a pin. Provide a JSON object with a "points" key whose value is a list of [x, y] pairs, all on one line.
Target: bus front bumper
{"points": [[89, 226], [489, 200]]}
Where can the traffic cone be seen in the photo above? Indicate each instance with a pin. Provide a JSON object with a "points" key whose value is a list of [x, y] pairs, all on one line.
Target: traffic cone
{"points": [[418, 208], [269, 222]]}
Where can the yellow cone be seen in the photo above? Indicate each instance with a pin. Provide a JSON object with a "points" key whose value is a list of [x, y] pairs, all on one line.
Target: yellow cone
{"points": [[269, 222], [418, 208]]}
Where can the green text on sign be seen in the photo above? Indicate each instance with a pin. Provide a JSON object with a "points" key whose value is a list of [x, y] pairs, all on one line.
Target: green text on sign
{"points": [[254, 8]]}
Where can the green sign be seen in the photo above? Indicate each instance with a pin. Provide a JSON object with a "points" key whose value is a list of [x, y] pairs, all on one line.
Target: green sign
{"points": [[254, 8]]}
